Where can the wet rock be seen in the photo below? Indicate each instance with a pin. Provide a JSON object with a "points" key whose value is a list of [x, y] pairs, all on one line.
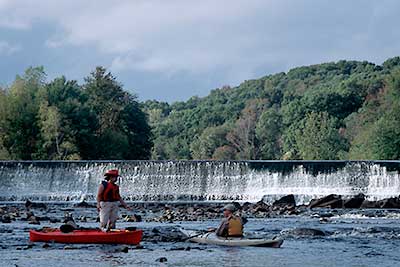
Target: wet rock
{"points": [[83, 204], [246, 206], [369, 204], [133, 218], [389, 203], [32, 205], [323, 220], [300, 232], [162, 259], [33, 220], [176, 248], [5, 219], [286, 200], [261, 208], [123, 249], [43, 218], [45, 245], [164, 234], [326, 215], [332, 201], [237, 205], [29, 246], [354, 202]]}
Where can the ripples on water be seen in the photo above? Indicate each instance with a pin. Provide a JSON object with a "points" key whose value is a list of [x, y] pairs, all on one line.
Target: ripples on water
{"points": [[354, 238]]}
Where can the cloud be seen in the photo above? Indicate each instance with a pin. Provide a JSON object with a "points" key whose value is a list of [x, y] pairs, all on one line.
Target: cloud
{"points": [[8, 49], [225, 40]]}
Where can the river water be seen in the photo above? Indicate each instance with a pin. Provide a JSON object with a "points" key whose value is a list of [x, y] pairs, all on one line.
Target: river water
{"points": [[352, 238]]}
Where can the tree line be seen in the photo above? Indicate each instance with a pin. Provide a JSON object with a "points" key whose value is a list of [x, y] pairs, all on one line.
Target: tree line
{"points": [[62, 120], [342, 110]]}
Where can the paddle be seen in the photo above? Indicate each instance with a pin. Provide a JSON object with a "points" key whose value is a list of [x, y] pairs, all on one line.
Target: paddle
{"points": [[67, 228], [193, 236]]}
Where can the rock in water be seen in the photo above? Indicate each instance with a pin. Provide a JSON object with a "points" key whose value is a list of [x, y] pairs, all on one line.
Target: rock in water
{"points": [[32, 205], [123, 249], [354, 202], [6, 219], [389, 203], [83, 204], [369, 204], [237, 205], [332, 201], [303, 232], [162, 259], [133, 218], [286, 200], [33, 220]]}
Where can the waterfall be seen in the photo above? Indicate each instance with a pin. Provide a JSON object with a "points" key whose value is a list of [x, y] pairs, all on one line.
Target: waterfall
{"points": [[199, 180]]}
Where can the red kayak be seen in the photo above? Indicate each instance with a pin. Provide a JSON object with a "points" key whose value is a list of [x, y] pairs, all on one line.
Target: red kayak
{"points": [[94, 236]]}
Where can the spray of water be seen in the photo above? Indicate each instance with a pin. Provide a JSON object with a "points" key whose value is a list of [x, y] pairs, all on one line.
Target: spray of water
{"points": [[200, 180]]}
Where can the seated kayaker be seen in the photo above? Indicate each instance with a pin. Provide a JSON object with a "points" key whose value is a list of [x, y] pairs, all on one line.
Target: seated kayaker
{"points": [[108, 200], [231, 225]]}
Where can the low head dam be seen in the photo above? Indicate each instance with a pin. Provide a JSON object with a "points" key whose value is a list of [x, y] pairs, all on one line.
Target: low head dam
{"points": [[199, 180]]}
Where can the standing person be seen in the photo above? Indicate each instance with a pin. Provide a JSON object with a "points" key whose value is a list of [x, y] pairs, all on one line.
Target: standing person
{"points": [[108, 200], [231, 225]]}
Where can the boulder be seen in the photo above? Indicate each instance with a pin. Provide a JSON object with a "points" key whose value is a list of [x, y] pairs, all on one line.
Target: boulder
{"points": [[286, 201], [83, 204], [32, 205], [354, 202], [332, 201], [369, 205], [298, 232], [389, 203], [6, 219], [162, 259], [33, 220], [133, 218], [237, 205]]}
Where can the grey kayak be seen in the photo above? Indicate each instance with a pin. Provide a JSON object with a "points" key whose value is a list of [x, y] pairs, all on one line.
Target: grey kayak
{"points": [[212, 239]]}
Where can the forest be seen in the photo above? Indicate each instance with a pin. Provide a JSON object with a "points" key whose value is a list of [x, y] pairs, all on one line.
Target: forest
{"points": [[338, 110]]}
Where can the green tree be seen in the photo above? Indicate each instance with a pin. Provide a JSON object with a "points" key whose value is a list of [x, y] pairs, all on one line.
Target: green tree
{"points": [[21, 123], [120, 120], [268, 134], [3, 115], [319, 137], [243, 135], [210, 139]]}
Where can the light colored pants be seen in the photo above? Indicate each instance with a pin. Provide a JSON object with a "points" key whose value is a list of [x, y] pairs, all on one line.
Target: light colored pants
{"points": [[108, 214]]}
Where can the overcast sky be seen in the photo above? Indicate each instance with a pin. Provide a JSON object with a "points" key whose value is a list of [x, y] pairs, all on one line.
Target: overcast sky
{"points": [[172, 49]]}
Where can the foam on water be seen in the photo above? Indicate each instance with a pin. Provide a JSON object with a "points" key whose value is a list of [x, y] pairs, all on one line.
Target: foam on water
{"points": [[200, 180]]}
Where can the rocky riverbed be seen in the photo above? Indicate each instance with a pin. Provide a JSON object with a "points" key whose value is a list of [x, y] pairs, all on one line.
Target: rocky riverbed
{"points": [[362, 234], [38, 213]]}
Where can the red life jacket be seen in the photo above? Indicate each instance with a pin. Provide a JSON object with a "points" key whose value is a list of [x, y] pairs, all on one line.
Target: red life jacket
{"points": [[110, 192]]}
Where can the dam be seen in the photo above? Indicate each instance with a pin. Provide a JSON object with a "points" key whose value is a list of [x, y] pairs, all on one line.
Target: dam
{"points": [[199, 180]]}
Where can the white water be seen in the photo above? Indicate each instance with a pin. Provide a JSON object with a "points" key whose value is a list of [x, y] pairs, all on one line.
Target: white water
{"points": [[199, 180]]}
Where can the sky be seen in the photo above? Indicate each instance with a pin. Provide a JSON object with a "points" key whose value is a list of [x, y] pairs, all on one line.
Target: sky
{"points": [[170, 50]]}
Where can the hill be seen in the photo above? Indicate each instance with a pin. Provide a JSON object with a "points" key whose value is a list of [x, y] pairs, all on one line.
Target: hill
{"points": [[342, 110]]}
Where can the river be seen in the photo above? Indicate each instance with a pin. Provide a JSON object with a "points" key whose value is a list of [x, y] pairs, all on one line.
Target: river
{"points": [[351, 238]]}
